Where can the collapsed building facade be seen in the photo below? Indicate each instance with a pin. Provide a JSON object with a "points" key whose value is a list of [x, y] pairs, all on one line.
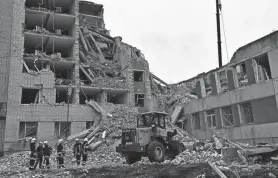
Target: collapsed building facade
{"points": [[55, 55], [238, 99]]}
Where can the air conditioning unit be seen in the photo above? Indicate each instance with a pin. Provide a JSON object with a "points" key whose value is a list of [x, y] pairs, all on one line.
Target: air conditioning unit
{"points": [[58, 32], [58, 9]]}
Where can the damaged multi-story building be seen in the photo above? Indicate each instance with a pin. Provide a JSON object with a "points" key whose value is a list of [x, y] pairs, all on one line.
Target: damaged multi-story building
{"points": [[54, 56], [238, 99]]}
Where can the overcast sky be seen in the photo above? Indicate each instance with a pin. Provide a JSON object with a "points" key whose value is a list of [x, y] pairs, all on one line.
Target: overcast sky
{"points": [[178, 37]]}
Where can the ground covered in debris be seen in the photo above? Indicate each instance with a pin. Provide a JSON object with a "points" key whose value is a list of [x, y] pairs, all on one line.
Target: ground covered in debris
{"points": [[138, 170]]}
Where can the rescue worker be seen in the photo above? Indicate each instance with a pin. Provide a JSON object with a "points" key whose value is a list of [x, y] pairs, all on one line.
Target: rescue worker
{"points": [[47, 150], [218, 144], [77, 150], [32, 154], [85, 149], [60, 154], [39, 151]]}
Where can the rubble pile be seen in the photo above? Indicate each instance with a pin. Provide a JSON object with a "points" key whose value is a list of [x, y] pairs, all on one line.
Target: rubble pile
{"points": [[96, 53], [15, 161], [117, 82], [104, 154], [181, 93], [123, 117], [191, 157]]}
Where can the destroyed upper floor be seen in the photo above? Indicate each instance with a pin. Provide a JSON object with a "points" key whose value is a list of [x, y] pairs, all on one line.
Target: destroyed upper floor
{"points": [[250, 64]]}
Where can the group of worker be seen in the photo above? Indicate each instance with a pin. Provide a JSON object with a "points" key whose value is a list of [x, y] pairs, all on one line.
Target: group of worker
{"points": [[40, 155]]}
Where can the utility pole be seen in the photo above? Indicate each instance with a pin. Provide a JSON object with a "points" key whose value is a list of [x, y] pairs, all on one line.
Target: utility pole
{"points": [[218, 8]]}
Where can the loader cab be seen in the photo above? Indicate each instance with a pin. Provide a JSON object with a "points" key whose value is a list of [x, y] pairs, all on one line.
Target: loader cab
{"points": [[151, 119]]}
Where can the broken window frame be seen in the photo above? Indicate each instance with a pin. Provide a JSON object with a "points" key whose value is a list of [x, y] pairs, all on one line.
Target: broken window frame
{"points": [[60, 131], [139, 98], [30, 129], [69, 96], [37, 98], [142, 76], [227, 116], [210, 119], [223, 82], [242, 74], [208, 87], [258, 63], [246, 110], [196, 121]]}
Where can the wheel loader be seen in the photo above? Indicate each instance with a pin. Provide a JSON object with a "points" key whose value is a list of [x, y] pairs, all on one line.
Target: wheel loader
{"points": [[149, 139]]}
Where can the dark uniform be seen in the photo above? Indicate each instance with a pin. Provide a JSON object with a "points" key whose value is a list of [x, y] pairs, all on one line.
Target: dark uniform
{"points": [[85, 149], [32, 155], [47, 150], [77, 150], [60, 155], [39, 156]]}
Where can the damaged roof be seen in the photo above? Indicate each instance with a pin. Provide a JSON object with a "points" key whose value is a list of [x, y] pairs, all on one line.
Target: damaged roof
{"points": [[270, 39]]}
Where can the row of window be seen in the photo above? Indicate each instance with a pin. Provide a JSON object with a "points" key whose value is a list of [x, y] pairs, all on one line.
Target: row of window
{"points": [[246, 116], [61, 129], [261, 70]]}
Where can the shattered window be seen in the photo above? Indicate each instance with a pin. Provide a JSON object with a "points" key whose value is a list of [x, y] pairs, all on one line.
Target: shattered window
{"points": [[62, 129], [138, 76], [223, 81], [207, 85], [89, 124], [211, 120], [242, 74], [139, 100], [196, 121], [29, 96], [28, 129], [246, 113], [227, 116], [262, 68]]}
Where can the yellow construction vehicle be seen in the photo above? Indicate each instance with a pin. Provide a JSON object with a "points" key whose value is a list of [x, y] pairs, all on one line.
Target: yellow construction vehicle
{"points": [[150, 139]]}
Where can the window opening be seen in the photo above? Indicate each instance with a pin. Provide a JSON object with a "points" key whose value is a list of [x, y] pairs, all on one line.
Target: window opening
{"points": [[30, 96], [28, 129], [138, 76], [211, 120], [62, 129], [246, 113], [139, 100], [227, 116]]}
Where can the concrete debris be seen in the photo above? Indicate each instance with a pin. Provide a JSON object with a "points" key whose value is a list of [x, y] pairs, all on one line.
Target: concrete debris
{"points": [[192, 157], [176, 114]]}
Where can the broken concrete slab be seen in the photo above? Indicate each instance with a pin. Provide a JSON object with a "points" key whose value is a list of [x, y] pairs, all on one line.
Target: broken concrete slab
{"points": [[176, 114]]}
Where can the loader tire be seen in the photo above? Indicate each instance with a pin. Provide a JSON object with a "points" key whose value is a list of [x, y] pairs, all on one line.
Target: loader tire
{"points": [[156, 151], [131, 158]]}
